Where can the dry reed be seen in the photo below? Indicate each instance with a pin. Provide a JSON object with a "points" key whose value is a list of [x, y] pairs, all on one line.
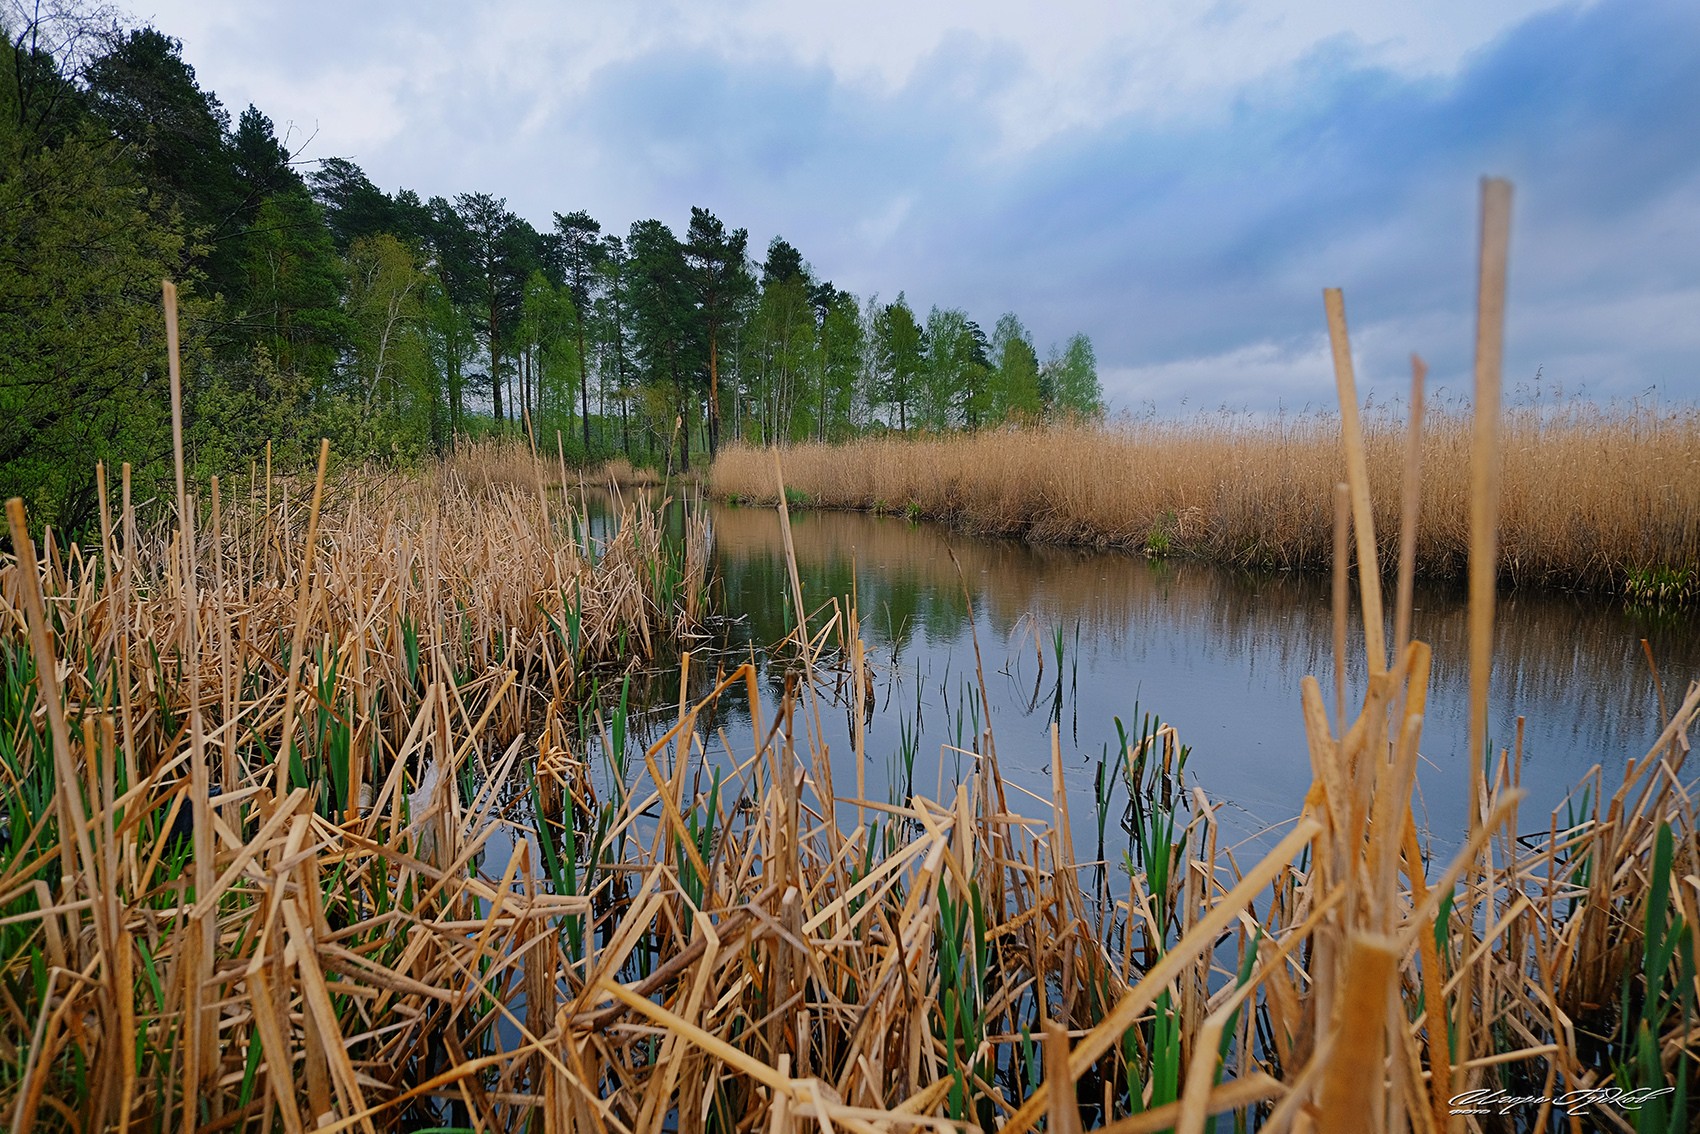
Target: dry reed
{"points": [[699, 942], [1595, 499]]}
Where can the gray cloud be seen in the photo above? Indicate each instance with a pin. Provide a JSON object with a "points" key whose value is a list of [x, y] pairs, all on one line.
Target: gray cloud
{"points": [[1181, 193]]}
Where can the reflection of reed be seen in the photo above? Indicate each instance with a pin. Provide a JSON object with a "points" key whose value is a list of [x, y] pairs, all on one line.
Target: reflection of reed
{"points": [[1561, 657]]}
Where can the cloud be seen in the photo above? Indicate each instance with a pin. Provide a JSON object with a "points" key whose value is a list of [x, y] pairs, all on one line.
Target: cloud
{"points": [[1178, 182], [1175, 244]]}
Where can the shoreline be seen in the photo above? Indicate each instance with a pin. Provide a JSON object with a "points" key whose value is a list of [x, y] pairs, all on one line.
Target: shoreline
{"points": [[1260, 496]]}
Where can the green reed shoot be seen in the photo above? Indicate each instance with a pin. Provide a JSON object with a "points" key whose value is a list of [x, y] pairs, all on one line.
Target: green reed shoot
{"points": [[617, 735], [1057, 689], [962, 966], [1103, 790], [335, 738], [410, 648], [908, 747], [1666, 940], [702, 832]]}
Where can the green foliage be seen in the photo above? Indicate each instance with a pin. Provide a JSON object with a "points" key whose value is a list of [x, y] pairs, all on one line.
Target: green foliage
{"points": [[82, 355], [321, 306], [1662, 585], [779, 362], [963, 959], [1160, 539], [898, 357], [716, 260], [666, 330], [1665, 995], [294, 285], [1015, 381], [1068, 382]]}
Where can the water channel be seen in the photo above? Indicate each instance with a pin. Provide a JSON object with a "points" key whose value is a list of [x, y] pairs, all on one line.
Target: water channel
{"points": [[1218, 654]]}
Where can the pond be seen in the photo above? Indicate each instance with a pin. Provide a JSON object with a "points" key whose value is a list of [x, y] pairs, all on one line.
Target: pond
{"points": [[1077, 638]]}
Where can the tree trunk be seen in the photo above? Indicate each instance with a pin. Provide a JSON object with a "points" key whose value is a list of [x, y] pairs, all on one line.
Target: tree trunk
{"points": [[495, 361], [713, 396], [583, 384], [683, 405]]}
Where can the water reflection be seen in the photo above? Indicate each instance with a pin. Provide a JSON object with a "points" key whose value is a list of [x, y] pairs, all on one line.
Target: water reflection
{"points": [[1218, 653], [1078, 638]]}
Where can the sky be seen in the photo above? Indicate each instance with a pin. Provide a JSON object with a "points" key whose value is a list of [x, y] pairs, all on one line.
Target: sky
{"points": [[1177, 180]]}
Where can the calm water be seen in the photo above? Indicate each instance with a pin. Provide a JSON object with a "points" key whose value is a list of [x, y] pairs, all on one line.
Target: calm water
{"points": [[1218, 654]]}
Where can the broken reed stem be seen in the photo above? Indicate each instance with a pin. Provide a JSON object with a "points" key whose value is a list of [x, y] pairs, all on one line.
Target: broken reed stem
{"points": [[1353, 1093], [1484, 461], [1357, 477], [298, 641], [1484, 512], [1410, 503], [1342, 598], [201, 1020]]}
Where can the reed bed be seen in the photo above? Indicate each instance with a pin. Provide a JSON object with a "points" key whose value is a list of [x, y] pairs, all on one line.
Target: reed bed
{"points": [[428, 880], [1595, 499], [179, 899], [713, 935], [621, 473]]}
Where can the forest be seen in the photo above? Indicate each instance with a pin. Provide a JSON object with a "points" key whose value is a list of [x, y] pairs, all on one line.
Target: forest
{"points": [[316, 304]]}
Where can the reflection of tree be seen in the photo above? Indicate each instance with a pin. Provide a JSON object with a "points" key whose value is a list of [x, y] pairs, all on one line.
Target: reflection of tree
{"points": [[1562, 660], [1556, 654]]}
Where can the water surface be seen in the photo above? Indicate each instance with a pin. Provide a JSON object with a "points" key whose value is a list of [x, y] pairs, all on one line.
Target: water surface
{"points": [[1217, 653]]}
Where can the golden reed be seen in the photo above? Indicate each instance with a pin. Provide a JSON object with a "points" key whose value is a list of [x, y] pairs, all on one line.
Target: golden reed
{"points": [[1593, 499]]}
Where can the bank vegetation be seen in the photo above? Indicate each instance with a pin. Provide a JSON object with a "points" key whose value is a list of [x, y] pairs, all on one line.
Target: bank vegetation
{"points": [[1598, 499]]}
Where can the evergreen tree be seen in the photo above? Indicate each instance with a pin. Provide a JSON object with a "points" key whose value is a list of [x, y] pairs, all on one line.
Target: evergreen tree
{"points": [[261, 163], [82, 354], [611, 329], [783, 263], [495, 247], [582, 254], [666, 325], [293, 287], [449, 313], [354, 207], [148, 97], [717, 261]]}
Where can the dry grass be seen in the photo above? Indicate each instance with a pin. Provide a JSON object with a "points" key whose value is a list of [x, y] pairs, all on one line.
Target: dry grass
{"points": [[717, 949], [623, 473], [703, 941], [1595, 499], [188, 917]]}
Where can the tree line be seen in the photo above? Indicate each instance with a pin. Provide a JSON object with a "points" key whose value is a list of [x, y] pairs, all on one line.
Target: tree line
{"points": [[316, 304]]}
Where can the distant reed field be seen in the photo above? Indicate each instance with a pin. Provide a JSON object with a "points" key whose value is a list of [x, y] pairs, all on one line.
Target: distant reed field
{"points": [[1602, 500]]}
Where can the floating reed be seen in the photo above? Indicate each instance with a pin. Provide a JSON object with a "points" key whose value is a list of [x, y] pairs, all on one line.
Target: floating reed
{"points": [[378, 926]]}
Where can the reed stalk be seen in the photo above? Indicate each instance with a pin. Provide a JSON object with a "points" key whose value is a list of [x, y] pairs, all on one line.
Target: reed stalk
{"points": [[409, 903]]}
